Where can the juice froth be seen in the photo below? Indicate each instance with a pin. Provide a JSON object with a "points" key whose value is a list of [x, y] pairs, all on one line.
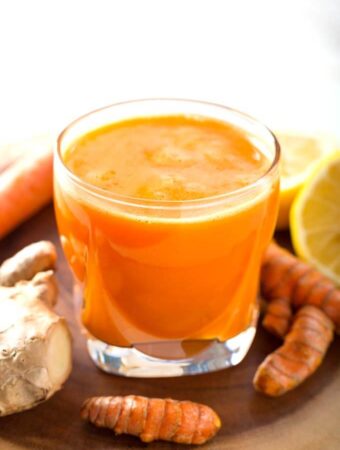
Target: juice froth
{"points": [[167, 158]]}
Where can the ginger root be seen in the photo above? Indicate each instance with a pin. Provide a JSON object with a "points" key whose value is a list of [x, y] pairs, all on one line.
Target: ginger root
{"points": [[32, 259], [35, 343], [182, 422], [300, 355]]}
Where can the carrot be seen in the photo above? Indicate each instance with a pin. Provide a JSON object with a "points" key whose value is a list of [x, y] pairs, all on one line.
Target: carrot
{"points": [[11, 152], [25, 187], [284, 276], [301, 354]]}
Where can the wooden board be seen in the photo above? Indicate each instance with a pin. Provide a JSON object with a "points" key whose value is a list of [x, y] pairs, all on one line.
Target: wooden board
{"points": [[307, 418]]}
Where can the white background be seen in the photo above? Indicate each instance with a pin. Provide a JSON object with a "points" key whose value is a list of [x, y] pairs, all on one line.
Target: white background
{"points": [[278, 60]]}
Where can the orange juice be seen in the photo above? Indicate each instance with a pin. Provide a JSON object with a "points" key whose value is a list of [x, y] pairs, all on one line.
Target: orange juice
{"points": [[162, 248]]}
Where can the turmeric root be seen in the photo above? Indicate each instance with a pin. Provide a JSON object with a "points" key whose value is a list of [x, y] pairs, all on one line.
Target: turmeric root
{"points": [[301, 354], [182, 422], [277, 318], [35, 343], [284, 276]]}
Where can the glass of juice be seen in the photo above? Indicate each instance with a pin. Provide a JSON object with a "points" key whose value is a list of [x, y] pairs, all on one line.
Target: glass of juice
{"points": [[164, 209]]}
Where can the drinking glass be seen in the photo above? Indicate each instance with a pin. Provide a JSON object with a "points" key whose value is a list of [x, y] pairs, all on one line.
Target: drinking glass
{"points": [[166, 288]]}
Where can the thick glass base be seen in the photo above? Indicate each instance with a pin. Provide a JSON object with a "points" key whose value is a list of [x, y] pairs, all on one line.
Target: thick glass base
{"points": [[141, 362]]}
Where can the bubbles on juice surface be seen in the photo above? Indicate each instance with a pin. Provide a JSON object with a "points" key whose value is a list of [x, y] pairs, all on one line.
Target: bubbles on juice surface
{"points": [[172, 186], [169, 156]]}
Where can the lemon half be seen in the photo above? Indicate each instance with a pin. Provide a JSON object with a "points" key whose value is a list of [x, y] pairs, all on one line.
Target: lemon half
{"points": [[299, 154], [315, 218]]}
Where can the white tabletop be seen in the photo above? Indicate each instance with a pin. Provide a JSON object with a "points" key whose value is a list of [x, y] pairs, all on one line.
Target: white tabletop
{"points": [[278, 60]]}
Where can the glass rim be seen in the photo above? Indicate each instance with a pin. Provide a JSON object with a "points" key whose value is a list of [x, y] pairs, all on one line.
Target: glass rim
{"points": [[123, 199]]}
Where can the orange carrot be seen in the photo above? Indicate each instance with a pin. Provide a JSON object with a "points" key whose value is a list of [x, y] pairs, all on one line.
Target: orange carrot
{"points": [[11, 152], [284, 276], [25, 187], [153, 419], [301, 354]]}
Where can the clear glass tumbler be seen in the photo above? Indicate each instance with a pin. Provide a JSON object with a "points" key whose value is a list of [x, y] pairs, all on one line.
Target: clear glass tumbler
{"points": [[166, 288]]}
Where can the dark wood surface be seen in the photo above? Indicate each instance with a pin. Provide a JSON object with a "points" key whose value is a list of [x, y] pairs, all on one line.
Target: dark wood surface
{"points": [[307, 418]]}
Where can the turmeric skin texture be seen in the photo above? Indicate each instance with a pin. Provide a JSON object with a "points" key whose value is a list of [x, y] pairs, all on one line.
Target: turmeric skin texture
{"points": [[278, 316], [284, 276], [301, 354], [183, 422]]}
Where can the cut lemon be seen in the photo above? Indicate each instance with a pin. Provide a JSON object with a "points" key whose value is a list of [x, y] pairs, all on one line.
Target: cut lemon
{"points": [[315, 218], [298, 155]]}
